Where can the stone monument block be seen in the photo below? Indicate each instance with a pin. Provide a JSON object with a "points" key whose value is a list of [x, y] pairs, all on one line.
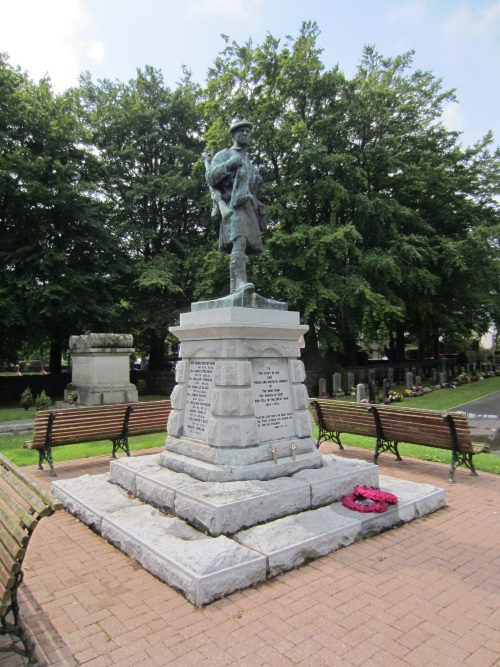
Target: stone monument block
{"points": [[101, 369], [241, 409], [409, 379], [322, 386]]}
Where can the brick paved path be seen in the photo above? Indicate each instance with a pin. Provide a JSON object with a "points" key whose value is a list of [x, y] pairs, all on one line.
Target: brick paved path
{"points": [[424, 594]]}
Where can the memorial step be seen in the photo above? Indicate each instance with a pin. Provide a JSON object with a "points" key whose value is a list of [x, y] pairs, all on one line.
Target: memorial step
{"points": [[206, 568], [227, 507]]}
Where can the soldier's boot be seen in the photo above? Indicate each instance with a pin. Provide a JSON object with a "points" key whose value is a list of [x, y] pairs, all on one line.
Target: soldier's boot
{"points": [[232, 279], [238, 263]]}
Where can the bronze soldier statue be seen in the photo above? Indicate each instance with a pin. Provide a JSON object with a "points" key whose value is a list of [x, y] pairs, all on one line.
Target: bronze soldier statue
{"points": [[236, 185]]}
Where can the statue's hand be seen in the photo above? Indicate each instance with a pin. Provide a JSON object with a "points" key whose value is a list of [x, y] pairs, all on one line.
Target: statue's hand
{"points": [[234, 162]]}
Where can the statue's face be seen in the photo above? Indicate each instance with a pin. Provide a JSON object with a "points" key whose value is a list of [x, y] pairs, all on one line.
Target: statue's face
{"points": [[242, 135]]}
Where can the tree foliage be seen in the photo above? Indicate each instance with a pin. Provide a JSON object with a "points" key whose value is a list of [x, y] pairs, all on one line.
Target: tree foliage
{"points": [[383, 225], [56, 254], [147, 139]]}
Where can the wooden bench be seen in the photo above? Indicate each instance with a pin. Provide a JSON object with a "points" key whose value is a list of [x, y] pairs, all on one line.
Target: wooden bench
{"points": [[22, 505], [336, 417], [390, 425], [104, 422]]}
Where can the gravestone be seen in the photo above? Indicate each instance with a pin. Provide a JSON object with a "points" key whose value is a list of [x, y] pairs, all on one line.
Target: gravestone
{"points": [[371, 375], [350, 380], [372, 392], [390, 374], [337, 383], [322, 387], [360, 392], [101, 369], [409, 379], [418, 381], [443, 379], [434, 376], [385, 387]]}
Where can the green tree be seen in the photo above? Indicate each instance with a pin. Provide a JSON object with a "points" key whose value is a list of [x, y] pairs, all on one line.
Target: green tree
{"points": [[148, 138], [56, 253], [381, 221], [313, 250]]}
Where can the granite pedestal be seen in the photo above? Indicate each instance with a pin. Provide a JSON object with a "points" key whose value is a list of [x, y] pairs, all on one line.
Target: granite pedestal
{"points": [[240, 492], [241, 409]]}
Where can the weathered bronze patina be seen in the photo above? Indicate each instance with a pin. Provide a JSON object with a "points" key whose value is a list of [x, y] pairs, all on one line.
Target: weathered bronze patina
{"points": [[236, 185]]}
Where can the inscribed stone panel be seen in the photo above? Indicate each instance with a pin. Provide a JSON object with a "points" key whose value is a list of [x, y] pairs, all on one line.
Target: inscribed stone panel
{"points": [[273, 404], [198, 397]]}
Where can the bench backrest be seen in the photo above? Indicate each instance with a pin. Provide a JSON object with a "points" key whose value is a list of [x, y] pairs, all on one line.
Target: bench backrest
{"points": [[22, 504], [345, 417], [399, 424], [425, 427], [102, 422]]}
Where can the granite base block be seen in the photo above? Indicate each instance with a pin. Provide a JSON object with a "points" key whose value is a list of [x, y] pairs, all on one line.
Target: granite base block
{"points": [[91, 497], [205, 568], [289, 542], [227, 507]]}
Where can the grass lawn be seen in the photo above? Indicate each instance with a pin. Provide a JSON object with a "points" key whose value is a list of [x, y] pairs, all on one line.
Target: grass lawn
{"points": [[10, 410], [12, 447], [447, 399], [443, 399]]}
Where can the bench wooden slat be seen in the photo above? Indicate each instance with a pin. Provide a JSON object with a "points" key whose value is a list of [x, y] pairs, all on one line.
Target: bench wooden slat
{"points": [[10, 545], [24, 492], [22, 505], [390, 425], [7, 577], [97, 423], [14, 507]]}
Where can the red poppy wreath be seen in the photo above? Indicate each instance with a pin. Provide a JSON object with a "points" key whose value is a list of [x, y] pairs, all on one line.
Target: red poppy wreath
{"points": [[379, 501]]}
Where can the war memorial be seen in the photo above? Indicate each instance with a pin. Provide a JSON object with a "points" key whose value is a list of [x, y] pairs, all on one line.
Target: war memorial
{"points": [[240, 493]]}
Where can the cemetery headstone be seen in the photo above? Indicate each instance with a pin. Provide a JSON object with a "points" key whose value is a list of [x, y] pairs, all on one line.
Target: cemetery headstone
{"points": [[390, 374], [385, 387], [360, 392], [372, 392], [409, 379], [322, 386], [337, 383], [350, 380]]}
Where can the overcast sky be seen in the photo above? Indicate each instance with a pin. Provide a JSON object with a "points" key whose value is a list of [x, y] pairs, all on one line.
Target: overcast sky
{"points": [[459, 40]]}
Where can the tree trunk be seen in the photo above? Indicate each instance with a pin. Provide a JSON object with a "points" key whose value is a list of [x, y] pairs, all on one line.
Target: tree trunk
{"points": [[156, 352], [55, 357], [400, 345], [435, 346]]}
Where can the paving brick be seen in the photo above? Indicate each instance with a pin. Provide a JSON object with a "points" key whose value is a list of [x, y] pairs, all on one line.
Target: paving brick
{"points": [[426, 594]]}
